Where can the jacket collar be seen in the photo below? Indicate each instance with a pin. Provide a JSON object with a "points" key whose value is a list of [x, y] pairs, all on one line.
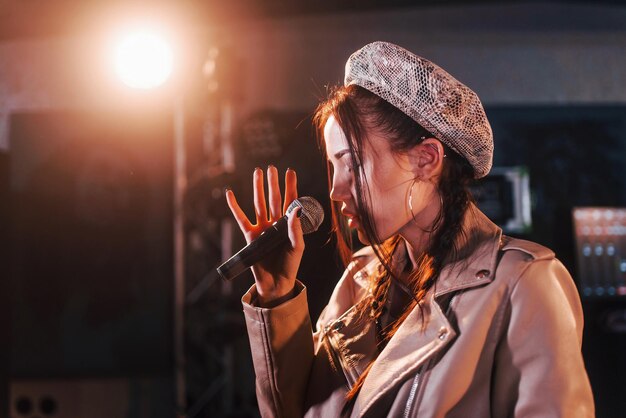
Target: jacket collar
{"points": [[417, 341], [477, 256]]}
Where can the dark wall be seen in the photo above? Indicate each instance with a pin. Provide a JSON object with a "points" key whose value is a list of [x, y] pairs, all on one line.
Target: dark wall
{"points": [[91, 242]]}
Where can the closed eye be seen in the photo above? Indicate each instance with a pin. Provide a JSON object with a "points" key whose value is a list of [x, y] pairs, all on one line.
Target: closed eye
{"points": [[344, 154], [341, 153]]}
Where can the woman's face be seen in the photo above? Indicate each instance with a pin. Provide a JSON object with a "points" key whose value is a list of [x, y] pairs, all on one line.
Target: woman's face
{"points": [[389, 179]]}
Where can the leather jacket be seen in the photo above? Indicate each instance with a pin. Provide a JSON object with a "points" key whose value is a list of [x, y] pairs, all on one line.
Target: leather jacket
{"points": [[499, 335]]}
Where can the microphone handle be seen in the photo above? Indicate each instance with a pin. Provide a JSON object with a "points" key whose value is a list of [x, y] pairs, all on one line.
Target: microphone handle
{"points": [[257, 250]]}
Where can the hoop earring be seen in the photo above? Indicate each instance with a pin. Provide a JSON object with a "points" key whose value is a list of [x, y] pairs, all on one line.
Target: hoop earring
{"points": [[410, 205], [410, 201]]}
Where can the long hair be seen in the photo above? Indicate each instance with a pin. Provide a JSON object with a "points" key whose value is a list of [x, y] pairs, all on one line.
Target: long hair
{"points": [[357, 111]]}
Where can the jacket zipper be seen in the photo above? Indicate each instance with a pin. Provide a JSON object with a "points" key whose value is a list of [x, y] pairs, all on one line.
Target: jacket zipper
{"points": [[409, 403], [416, 380]]}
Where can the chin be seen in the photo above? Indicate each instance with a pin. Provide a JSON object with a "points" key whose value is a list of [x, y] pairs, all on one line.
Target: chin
{"points": [[362, 238]]}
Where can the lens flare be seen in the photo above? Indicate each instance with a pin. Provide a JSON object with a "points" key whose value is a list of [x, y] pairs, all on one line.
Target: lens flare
{"points": [[143, 60]]}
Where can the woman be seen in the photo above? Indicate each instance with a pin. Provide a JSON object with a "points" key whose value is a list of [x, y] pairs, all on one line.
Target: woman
{"points": [[440, 315]]}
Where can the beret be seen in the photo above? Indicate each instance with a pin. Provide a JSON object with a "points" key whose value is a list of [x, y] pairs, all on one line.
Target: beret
{"points": [[444, 106]]}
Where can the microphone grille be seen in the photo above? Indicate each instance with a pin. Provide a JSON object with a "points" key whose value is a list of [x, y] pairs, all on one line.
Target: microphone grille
{"points": [[312, 213]]}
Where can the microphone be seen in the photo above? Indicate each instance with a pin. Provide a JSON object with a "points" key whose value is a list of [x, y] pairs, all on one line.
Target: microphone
{"points": [[311, 218]]}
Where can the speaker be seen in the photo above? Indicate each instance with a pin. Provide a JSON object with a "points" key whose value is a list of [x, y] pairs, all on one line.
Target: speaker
{"points": [[91, 270], [88, 398]]}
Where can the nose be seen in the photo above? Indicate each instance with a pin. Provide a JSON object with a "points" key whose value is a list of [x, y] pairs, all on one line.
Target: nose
{"points": [[340, 190]]}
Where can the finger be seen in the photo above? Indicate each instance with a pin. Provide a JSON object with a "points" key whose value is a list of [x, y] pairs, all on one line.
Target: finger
{"points": [[294, 229], [240, 216], [259, 197], [274, 193], [291, 188]]}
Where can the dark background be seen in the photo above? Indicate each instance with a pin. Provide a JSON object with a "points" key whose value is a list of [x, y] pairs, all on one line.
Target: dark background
{"points": [[86, 178]]}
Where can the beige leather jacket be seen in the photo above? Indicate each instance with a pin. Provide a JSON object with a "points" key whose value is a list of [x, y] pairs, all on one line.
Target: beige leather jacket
{"points": [[501, 337]]}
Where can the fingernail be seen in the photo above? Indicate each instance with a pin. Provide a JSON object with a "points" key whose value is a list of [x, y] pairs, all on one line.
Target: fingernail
{"points": [[289, 169], [257, 168], [270, 166]]}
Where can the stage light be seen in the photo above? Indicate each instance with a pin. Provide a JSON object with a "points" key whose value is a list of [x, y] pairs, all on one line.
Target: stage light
{"points": [[143, 59]]}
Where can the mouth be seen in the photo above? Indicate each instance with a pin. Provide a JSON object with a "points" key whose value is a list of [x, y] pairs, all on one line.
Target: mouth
{"points": [[353, 218], [353, 223]]}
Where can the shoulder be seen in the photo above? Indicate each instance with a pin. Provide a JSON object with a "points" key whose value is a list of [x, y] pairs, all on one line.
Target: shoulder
{"points": [[531, 266], [518, 254], [520, 259], [541, 287]]}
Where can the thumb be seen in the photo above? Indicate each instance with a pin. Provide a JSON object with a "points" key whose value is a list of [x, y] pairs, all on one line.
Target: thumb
{"points": [[294, 229]]}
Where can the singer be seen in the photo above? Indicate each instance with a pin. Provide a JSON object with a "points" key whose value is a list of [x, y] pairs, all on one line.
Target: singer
{"points": [[441, 314]]}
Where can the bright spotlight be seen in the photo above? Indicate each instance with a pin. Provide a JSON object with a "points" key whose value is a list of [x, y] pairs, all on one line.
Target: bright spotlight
{"points": [[143, 60]]}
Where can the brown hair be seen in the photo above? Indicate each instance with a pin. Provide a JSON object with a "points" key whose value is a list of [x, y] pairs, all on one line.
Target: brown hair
{"points": [[357, 110]]}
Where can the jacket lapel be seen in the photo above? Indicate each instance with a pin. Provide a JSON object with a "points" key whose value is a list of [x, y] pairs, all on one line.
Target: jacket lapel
{"points": [[411, 346]]}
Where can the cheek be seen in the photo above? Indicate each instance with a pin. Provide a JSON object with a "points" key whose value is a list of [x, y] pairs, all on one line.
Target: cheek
{"points": [[389, 205], [388, 186], [389, 208]]}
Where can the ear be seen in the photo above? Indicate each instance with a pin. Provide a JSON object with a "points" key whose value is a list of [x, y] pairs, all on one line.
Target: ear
{"points": [[427, 159]]}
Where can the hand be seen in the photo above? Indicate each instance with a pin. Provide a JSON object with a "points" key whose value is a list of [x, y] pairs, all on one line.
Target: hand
{"points": [[275, 276]]}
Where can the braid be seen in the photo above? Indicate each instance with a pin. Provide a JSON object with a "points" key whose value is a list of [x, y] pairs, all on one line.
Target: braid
{"points": [[456, 197]]}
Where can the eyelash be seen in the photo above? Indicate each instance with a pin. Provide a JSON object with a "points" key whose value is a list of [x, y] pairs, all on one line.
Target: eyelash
{"points": [[349, 167]]}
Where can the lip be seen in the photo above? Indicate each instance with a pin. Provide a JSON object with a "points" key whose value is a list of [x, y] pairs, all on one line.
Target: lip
{"points": [[348, 214], [345, 212], [353, 218]]}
